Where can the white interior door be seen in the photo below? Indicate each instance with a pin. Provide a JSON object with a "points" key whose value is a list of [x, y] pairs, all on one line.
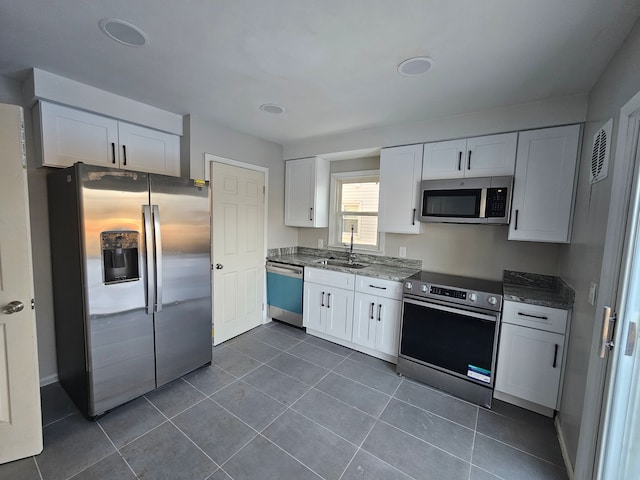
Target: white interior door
{"points": [[237, 249], [20, 421], [620, 434]]}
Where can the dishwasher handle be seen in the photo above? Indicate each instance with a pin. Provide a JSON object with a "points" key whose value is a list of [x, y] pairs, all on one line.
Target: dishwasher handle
{"points": [[287, 270]]}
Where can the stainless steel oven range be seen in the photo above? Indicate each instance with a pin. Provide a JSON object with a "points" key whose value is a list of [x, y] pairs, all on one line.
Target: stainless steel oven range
{"points": [[449, 334]]}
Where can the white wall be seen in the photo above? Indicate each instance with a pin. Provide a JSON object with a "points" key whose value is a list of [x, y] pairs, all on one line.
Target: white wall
{"points": [[207, 136], [11, 92], [581, 261], [544, 113]]}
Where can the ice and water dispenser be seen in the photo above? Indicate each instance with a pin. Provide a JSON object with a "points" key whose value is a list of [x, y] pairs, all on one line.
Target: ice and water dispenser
{"points": [[120, 256]]}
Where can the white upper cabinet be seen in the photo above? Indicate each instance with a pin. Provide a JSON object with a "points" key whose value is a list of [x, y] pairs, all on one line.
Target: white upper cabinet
{"points": [[148, 150], [491, 155], [68, 136], [544, 184], [306, 193], [400, 174]]}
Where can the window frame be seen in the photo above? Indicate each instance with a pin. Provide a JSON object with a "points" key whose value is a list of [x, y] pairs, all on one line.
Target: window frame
{"points": [[335, 216]]}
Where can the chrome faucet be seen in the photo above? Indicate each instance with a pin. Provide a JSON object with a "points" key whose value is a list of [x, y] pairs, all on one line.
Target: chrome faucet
{"points": [[352, 255]]}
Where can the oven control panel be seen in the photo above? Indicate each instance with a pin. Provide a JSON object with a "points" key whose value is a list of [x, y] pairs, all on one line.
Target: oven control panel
{"points": [[454, 295]]}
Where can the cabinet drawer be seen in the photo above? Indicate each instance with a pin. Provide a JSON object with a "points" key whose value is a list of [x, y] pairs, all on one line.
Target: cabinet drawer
{"points": [[379, 287], [535, 316], [329, 277]]}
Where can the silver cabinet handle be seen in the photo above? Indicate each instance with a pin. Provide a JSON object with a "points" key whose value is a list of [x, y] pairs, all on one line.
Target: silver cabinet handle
{"points": [[541, 317], [469, 161], [322, 301], [158, 256], [148, 242], [113, 152], [311, 214], [516, 225], [413, 220], [555, 357], [379, 288], [459, 160], [219, 266], [371, 310], [379, 310], [13, 307], [328, 300]]}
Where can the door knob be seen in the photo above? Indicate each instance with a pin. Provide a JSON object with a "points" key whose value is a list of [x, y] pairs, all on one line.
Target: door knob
{"points": [[219, 266], [13, 307]]}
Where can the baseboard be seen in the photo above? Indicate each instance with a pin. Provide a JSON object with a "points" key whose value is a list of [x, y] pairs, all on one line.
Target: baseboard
{"points": [[563, 448], [48, 380]]}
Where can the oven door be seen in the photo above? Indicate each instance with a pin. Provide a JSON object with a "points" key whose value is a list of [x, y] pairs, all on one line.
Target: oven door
{"points": [[450, 338]]}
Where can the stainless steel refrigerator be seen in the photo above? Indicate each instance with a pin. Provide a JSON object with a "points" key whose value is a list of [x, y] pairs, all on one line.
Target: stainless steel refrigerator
{"points": [[131, 280]]}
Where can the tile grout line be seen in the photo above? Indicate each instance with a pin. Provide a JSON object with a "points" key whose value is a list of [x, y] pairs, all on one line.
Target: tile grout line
{"points": [[562, 467], [473, 443], [117, 450], [185, 435], [60, 419], [38, 468]]}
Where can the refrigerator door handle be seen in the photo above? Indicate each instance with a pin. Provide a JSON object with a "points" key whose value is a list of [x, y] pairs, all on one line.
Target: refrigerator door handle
{"points": [[148, 242], [157, 256]]}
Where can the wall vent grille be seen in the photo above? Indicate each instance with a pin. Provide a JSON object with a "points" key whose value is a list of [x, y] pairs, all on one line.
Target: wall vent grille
{"points": [[600, 152]]}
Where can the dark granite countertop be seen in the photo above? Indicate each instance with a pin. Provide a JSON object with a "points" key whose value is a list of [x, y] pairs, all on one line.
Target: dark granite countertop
{"points": [[388, 268], [535, 289]]}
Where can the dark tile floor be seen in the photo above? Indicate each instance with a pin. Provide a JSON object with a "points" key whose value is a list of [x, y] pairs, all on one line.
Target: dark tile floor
{"points": [[279, 404]]}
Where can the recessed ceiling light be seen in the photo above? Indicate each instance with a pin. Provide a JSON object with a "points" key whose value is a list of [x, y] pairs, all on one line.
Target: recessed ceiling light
{"points": [[272, 108], [415, 66], [123, 32]]}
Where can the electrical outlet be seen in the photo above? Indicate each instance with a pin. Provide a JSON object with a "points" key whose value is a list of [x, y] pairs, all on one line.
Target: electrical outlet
{"points": [[402, 252], [592, 293], [321, 243]]}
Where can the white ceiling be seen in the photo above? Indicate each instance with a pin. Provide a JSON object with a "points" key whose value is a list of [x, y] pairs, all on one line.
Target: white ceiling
{"points": [[330, 63]]}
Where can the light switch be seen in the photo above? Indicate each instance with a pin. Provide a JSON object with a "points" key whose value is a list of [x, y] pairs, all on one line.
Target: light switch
{"points": [[321, 243], [402, 252]]}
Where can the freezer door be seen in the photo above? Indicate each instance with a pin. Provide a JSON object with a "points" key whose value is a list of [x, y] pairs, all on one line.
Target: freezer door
{"points": [[119, 336], [183, 286]]}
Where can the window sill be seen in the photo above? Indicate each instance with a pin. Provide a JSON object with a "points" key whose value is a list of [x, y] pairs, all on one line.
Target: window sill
{"points": [[365, 251]]}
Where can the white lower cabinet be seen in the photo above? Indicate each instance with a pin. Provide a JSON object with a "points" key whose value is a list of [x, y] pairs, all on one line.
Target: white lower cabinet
{"points": [[531, 356], [359, 312], [376, 323], [327, 309]]}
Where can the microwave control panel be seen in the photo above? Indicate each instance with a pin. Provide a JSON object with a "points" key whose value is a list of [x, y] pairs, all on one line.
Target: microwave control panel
{"points": [[496, 202]]}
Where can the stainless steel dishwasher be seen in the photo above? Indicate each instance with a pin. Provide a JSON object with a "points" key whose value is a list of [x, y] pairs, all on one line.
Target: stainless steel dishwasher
{"points": [[285, 292]]}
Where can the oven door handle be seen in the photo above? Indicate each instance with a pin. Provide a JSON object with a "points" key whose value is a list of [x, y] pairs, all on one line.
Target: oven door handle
{"points": [[458, 311]]}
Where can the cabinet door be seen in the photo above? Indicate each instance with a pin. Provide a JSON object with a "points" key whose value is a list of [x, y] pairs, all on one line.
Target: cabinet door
{"points": [[529, 364], [400, 173], [298, 200], [542, 205], [444, 159], [69, 136], [387, 316], [314, 306], [492, 155], [364, 320], [339, 313], [148, 150]]}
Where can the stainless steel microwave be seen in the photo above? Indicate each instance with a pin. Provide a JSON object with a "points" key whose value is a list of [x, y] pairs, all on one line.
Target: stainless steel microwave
{"points": [[466, 200]]}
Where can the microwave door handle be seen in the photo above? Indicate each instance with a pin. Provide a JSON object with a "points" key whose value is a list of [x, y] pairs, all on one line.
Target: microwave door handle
{"points": [[483, 203]]}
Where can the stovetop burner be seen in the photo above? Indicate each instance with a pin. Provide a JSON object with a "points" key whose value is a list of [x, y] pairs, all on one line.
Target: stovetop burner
{"points": [[481, 293]]}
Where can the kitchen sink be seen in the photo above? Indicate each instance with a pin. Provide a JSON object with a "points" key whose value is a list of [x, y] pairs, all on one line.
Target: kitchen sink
{"points": [[341, 263]]}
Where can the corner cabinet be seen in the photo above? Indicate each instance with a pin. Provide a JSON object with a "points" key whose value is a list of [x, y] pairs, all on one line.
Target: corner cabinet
{"points": [[491, 155], [544, 184], [306, 192], [400, 175], [531, 356], [67, 136]]}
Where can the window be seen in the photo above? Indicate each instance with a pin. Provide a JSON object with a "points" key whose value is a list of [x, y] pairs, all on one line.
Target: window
{"points": [[354, 206]]}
